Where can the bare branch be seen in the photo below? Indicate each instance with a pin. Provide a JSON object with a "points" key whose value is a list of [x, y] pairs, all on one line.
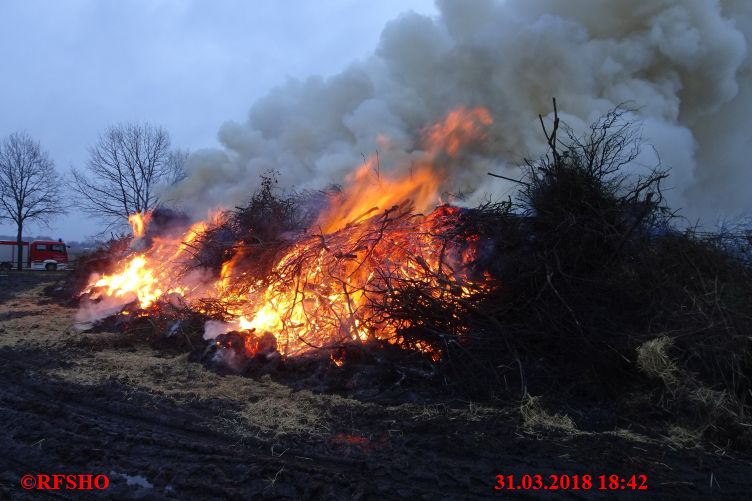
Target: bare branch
{"points": [[29, 186], [125, 167]]}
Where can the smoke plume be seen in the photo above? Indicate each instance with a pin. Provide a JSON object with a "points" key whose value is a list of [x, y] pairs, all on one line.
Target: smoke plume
{"points": [[683, 65]]}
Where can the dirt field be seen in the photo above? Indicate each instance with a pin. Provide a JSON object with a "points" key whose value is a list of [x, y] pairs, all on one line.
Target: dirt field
{"points": [[162, 426]]}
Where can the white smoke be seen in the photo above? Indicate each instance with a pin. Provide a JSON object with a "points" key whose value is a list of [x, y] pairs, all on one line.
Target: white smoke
{"points": [[684, 64]]}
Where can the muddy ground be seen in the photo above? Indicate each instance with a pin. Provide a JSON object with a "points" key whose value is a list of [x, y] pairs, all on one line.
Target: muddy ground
{"points": [[164, 427]]}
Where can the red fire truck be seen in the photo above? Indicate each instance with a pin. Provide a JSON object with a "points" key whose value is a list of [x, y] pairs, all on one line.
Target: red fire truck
{"points": [[47, 255]]}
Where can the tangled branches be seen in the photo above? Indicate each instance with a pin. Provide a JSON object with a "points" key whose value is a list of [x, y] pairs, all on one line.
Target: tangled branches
{"points": [[344, 287]]}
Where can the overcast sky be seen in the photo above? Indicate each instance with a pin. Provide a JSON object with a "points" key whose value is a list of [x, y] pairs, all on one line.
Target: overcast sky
{"points": [[70, 68]]}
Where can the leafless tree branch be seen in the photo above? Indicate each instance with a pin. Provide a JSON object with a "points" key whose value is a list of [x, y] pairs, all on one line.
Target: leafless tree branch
{"points": [[30, 188], [126, 165]]}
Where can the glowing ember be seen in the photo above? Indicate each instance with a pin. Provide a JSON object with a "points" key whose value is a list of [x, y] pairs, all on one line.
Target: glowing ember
{"points": [[321, 293]]}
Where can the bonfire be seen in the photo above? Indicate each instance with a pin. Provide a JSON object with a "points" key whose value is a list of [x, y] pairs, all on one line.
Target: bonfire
{"points": [[572, 289], [385, 233]]}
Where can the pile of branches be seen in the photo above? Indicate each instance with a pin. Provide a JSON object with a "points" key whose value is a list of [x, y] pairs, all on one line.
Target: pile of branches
{"points": [[168, 324], [583, 288], [254, 235], [333, 291], [442, 301], [104, 259], [109, 255], [599, 297]]}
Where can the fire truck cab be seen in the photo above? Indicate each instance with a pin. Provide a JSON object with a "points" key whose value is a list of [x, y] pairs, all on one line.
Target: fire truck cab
{"points": [[47, 255]]}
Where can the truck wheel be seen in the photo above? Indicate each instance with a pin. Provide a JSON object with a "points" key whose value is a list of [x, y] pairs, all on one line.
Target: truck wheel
{"points": [[50, 267]]}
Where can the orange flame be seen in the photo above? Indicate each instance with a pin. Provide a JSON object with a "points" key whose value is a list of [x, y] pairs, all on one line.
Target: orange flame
{"points": [[368, 190], [321, 297], [138, 223], [319, 291], [150, 275], [461, 127]]}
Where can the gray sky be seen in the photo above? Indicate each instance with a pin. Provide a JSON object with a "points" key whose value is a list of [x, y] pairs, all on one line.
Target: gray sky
{"points": [[70, 68]]}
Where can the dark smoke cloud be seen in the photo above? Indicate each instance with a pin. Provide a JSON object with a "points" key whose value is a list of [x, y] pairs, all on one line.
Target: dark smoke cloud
{"points": [[683, 64]]}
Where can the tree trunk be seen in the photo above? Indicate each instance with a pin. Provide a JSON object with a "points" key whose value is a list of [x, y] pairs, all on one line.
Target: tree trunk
{"points": [[19, 242]]}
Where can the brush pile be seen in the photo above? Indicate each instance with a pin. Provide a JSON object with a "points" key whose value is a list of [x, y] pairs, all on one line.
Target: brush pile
{"points": [[581, 290]]}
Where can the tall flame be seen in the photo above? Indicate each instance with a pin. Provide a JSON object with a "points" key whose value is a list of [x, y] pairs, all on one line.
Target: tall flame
{"points": [[368, 190], [138, 222], [147, 276], [461, 127]]}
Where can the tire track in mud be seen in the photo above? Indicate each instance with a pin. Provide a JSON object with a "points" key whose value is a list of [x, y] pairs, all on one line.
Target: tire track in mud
{"points": [[51, 426], [81, 431]]}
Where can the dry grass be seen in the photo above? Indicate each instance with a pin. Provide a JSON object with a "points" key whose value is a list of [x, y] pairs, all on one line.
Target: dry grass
{"points": [[32, 323], [536, 418], [630, 435], [255, 407], [263, 406], [653, 359], [684, 438], [284, 411]]}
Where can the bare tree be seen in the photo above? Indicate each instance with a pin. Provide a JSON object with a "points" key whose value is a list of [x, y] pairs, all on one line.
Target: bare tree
{"points": [[176, 165], [126, 165], [29, 185]]}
